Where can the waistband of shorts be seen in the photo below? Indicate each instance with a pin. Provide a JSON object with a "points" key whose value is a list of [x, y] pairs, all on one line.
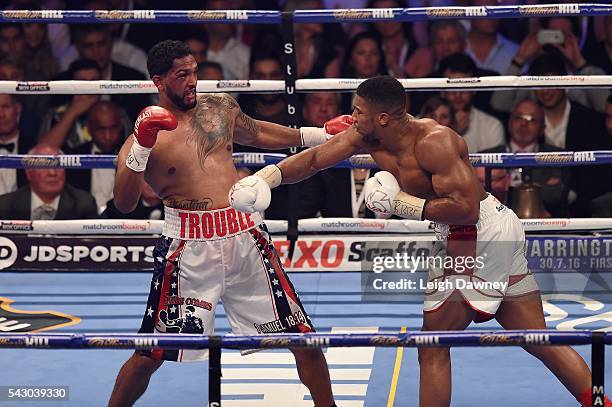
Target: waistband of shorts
{"points": [[207, 225], [490, 207]]}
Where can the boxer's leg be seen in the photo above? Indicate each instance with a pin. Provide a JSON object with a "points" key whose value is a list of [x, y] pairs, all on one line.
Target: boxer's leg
{"points": [[133, 379], [564, 362], [435, 363], [313, 372]]}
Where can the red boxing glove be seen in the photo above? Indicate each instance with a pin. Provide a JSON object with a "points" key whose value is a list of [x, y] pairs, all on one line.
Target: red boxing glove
{"points": [[150, 121], [313, 136], [338, 124]]}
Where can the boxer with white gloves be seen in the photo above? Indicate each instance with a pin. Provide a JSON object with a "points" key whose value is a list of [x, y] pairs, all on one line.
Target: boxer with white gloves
{"points": [[427, 174], [384, 196]]}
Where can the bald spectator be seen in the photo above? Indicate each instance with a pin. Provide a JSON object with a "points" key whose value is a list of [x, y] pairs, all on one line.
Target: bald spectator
{"points": [[12, 141], [210, 71], [47, 196], [107, 132], [526, 128]]}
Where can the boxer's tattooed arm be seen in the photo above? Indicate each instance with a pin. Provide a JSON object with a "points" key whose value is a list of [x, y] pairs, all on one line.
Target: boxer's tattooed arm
{"points": [[247, 125], [212, 122], [190, 204]]}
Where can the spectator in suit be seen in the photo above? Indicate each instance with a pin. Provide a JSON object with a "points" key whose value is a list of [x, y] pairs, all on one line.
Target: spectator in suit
{"points": [[335, 192], [47, 196], [107, 135], [12, 141], [479, 129], [526, 128], [65, 126], [150, 206]]}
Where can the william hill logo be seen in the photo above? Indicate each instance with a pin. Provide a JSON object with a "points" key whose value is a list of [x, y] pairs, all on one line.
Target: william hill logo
{"points": [[16, 321]]}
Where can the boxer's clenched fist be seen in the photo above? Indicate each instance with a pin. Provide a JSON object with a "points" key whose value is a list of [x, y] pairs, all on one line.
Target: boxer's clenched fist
{"points": [[150, 121], [253, 193]]}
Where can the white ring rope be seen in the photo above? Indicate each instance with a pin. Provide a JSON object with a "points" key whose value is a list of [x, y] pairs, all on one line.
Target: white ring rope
{"points": [[336, 225], [307, 85]]}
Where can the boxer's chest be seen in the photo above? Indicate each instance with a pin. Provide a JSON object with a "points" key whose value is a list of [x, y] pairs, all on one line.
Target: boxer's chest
{"points": [[411, 177]]}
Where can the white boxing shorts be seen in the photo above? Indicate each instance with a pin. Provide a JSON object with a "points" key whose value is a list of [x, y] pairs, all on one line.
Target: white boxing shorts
{"points": [[204, 256], [485, 262]]}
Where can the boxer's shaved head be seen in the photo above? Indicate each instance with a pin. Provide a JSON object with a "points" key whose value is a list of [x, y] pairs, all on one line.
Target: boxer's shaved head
{"points": [[384, 94]]}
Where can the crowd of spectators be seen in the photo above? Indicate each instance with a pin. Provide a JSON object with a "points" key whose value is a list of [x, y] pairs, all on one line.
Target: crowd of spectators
{"points": [[522, 120]]}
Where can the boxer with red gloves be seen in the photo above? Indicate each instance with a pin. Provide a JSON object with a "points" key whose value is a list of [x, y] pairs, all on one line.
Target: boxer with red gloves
{"points": [[208, 250]]}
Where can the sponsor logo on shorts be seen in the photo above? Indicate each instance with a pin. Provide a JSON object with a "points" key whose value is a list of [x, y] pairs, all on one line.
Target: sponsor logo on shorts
{"points": [[32, 87], [196, 302], [16, 225], [16, 321], [233, 84], [207, 225]]}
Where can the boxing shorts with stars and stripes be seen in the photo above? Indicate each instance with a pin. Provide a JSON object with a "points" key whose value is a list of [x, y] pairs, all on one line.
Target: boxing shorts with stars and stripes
{"points": [[204, 256]]}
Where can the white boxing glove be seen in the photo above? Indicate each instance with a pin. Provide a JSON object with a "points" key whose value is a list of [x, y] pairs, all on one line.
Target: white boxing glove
{"points": [[253, 193], [384, 197], [380, 191]]}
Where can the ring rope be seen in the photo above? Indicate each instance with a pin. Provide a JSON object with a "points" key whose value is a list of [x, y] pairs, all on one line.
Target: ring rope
{"points": [[301, 16], [488, 160], [336, 225], [306, 85], [313, 340]]}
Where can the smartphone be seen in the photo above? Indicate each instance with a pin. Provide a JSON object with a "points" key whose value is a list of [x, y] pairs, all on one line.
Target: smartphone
{"points": [[551, 37]]}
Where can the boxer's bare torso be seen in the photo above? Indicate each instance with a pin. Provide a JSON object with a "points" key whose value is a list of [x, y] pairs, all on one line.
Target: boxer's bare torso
{"points": [[428, 160], [191, 167]]}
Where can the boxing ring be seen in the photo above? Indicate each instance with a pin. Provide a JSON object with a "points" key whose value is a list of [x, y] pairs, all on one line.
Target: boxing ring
{"points": [[72, 290]]}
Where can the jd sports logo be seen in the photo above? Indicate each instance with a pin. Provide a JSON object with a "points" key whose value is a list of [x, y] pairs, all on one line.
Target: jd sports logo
{"points": [[8, 253], [16, 321]]}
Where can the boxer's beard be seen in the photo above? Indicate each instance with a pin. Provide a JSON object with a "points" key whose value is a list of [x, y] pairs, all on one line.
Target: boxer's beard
{"points": [[179, 100]]}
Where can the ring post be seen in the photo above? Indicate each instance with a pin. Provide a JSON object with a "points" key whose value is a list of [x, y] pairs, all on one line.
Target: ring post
{"points": [[214, 372], [598, 351]]}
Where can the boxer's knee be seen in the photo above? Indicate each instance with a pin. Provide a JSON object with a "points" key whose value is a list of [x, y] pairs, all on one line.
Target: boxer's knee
{"points": [[434, 356]]}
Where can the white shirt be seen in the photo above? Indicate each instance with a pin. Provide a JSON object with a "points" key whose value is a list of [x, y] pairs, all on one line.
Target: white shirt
{"points": [[37, 202], [8, 176], [500, 56], [484, 131], [557, 135], [234, 58], [102, 182]]}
